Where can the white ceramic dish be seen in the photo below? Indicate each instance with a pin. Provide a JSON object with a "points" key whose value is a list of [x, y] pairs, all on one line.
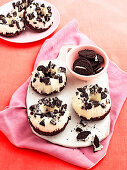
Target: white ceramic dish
{"points": [[68, 136], [29, 35]]}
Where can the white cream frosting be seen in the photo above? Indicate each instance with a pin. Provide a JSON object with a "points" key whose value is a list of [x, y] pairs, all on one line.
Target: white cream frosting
{"points": [[31, 9], [94, 112], [41, 87]]}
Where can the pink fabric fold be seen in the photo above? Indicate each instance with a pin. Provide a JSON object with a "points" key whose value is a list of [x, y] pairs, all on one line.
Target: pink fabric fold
{"points": [[13, 120]]}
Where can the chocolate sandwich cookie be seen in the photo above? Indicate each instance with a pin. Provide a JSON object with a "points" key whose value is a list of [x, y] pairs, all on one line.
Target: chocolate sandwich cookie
{"points": [[82, 66], [88, 63], [38, 17], [48, 78], [49, 116], [92, 102], [89, 54]]}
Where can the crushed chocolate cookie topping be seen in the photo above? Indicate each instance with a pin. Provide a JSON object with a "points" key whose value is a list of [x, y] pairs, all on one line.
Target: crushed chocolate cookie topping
{"points": [[37, 74], [32, 107], [13, 21], [82, 107], [42, 68], [37, 8], [85, 95], [31, 16], [55, 111], [3, 20], [77, 93], [47, 18], [42, 5], [82, 89], [103, 95], [46, 80], [9, 15], [53, 121], [107, 101], [106, 90], [92, 90], [42, 122], [90, 101], [62, 69], [58, 102], [20, 8], [54, 115], [83, 135], [34, 80], [95, 103], [39, 19], [11, 25], [99, 90], [48, 73], [63, 109], [49, 9], [103, 105], [78, 129], [13, 4], [35, 22], [88, 106], [17, 24], [52, 102]]}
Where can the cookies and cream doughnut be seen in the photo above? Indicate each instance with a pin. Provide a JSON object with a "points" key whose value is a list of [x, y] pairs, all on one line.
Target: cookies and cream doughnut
{"points": [[92, 102], [38, 17], [48, 78], [49, 116], [13, 23]]}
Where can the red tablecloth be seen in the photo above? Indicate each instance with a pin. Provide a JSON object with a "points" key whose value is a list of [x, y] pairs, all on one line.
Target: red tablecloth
{"points": [[105, 23]]}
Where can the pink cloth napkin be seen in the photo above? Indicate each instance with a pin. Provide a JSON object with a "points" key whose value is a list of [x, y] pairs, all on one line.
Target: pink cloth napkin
{"points": [[13, 120]]}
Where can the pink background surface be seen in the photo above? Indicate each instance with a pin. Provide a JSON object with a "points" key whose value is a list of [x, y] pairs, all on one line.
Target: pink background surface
{"points": [[105, 23]]}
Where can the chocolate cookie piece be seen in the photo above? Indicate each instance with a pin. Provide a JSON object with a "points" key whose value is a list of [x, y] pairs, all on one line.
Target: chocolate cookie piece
{"points": [[82, 66], [83, 135], [89, 54], [98, 69], [99, 58], [96, 144], [78, 129]]}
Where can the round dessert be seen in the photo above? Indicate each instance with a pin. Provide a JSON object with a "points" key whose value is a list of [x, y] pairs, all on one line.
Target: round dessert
{"points": [[92, 102], [38, 17], [49, 117], [88, 63], [48, 79], [13, 23]]}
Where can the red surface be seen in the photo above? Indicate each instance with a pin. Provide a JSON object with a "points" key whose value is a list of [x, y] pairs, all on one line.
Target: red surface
{"points": [[105, 22]]}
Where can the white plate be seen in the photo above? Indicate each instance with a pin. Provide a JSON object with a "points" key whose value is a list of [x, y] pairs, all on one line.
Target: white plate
{"points": [[68, 136], [30, 35]]}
